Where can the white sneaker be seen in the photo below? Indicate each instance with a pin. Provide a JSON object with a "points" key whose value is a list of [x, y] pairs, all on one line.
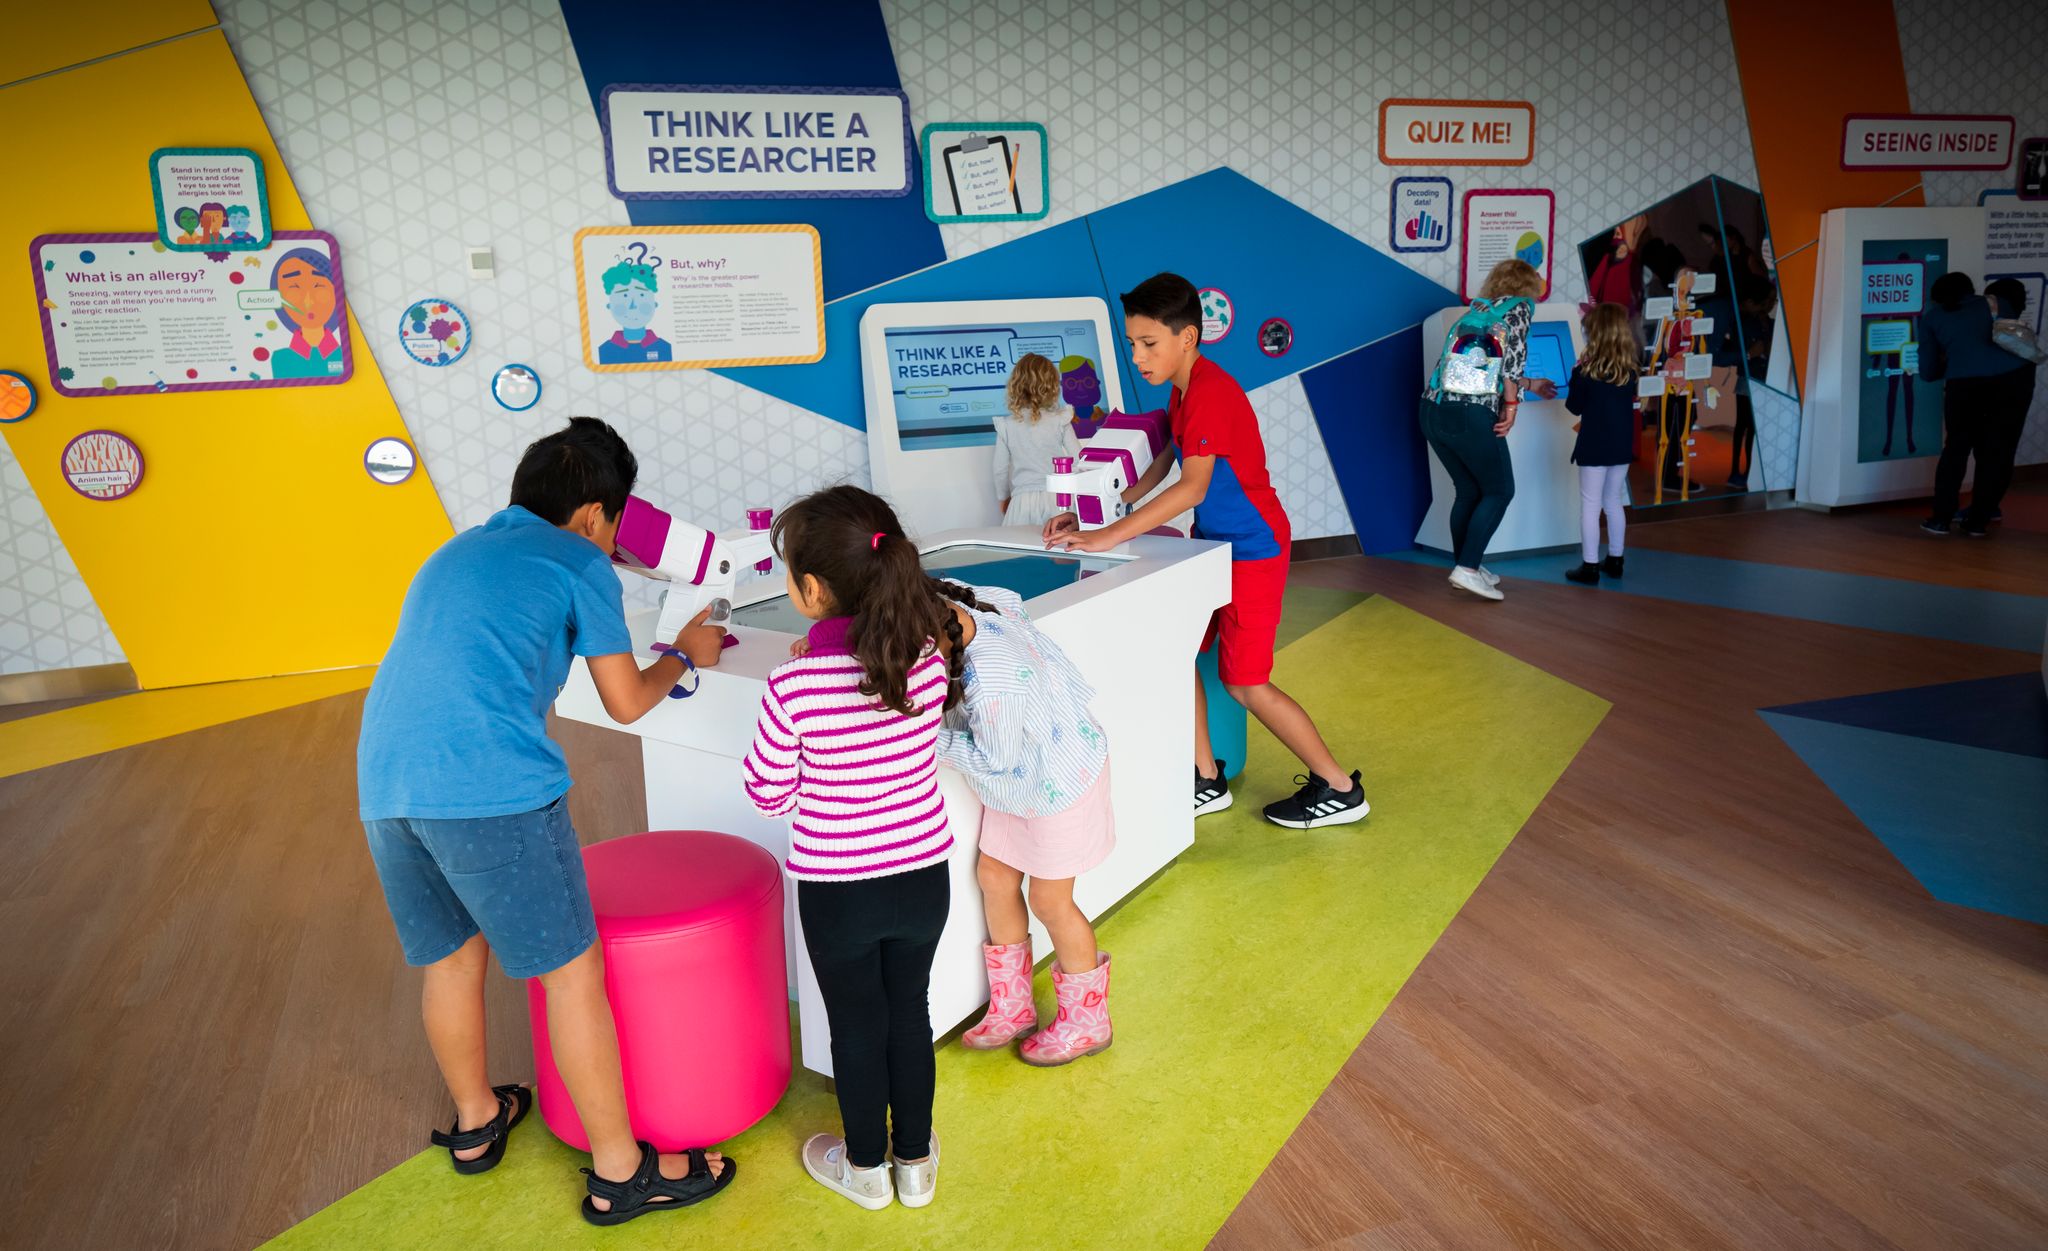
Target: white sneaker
{"points": [[1492, 578], [825, 1160], [1471, 580], [917, 1183]]}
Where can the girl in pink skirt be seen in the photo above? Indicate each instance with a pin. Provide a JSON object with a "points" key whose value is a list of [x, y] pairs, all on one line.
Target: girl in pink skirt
{"points": [[1024, 738]]}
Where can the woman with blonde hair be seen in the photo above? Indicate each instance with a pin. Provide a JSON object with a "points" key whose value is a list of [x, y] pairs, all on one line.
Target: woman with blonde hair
{"points": [[1038, 428], [1469, 407], [1602, 395]]}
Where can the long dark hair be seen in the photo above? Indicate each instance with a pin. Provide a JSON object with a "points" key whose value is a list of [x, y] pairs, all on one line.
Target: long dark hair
{"points": [[850, 540]]}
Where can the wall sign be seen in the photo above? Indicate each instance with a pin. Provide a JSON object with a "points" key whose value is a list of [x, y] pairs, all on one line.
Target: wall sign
{"points": [[1500, 225], [390, 461], [1217, 313], [1457, 132], [434, 332], [985, 172], [102, 465], [17, 396], [1894, 288], [1276, 336], [1421, 218], [516, 387], [1926, 141], [665, 142], [120, 318], [699, 297], [210, 199]]}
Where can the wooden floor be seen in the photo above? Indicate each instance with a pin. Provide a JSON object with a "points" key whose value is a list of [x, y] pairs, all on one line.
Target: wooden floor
{"points": [[1696, 1005]]}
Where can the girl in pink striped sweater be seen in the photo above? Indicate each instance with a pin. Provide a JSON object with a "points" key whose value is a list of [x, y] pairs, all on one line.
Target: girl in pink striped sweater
{"points": [[846, 748]]}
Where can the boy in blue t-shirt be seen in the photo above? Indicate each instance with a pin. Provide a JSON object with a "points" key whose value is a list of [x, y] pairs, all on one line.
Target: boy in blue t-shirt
{"points": [[465, 801]]}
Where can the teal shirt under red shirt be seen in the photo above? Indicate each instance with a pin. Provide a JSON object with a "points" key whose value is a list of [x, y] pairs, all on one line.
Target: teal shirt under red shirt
{"points": [[1214, 418]]}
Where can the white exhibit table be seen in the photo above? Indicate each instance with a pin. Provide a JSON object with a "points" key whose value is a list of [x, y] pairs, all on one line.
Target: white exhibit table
{"points": [[1131, 620], [1545, 512]]}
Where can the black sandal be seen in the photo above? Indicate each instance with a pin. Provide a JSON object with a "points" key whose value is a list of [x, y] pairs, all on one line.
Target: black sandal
{"points": [[648, 1191], [513, 1104]]}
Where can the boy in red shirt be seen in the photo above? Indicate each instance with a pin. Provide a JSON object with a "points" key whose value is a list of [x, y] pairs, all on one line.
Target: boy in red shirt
{"points": [[1223, 479]]}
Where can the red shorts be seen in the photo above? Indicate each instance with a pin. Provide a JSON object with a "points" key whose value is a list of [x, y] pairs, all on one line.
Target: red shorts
{"points": [[1245, 628]]}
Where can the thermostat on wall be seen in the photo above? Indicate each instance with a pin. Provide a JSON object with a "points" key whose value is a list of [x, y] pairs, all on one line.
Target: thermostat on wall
{"points": [[481, 264]]}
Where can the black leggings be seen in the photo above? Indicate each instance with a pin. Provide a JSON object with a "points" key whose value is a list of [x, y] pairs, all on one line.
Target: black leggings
{"points": [[871, 944]]}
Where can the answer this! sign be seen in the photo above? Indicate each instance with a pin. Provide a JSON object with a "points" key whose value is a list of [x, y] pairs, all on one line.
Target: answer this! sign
{"points": [[1457, 132], [1926, 141], [733, 143], [1894, 287]]}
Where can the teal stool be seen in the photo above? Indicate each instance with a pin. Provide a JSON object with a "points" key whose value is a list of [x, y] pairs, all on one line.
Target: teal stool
{"points": [[1226, 716]]}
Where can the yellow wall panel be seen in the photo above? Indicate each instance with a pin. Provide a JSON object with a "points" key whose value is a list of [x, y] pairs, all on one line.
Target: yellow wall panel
{"points": [[256, 544], [41, 36]]}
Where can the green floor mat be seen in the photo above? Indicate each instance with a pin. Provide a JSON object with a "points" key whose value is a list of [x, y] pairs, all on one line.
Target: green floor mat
{"points": [[1245, 976]]}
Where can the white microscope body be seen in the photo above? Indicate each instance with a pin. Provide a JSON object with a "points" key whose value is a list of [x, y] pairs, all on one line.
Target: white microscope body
{"points": [[1095, 495], [701, 568]]}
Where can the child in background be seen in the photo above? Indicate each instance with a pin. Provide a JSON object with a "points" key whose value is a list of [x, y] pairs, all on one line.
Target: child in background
{"points": [[1036, 430], [464, 799], [1040, 763], [1223, 479], [1602, 395], [847, 747]]}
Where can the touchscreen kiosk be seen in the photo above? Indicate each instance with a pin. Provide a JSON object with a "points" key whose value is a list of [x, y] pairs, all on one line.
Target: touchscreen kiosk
{"points": [[934, 376]]}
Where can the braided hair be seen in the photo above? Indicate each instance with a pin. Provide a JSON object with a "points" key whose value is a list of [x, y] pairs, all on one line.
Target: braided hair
{"points": [[956, 651]]}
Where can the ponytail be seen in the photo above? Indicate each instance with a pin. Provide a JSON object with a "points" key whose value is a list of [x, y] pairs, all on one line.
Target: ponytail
{"points": [[851, 541]]}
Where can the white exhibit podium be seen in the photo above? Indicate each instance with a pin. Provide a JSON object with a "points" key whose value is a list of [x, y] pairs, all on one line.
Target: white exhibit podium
{"points": [[1131, 619]]}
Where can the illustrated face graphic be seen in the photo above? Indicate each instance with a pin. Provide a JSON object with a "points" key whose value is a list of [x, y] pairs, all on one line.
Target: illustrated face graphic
{"points": [[632, 305], [187, 219], [1081, 388], [211, 219], [308, 298], [238, 222]]}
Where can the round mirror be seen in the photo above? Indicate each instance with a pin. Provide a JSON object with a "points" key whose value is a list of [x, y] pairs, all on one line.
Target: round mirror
{"points": [[390, 461], [517, 387]]}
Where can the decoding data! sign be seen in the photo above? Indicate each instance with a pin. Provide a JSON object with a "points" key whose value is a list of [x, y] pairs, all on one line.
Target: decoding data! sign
{"points": [[730, 143]]}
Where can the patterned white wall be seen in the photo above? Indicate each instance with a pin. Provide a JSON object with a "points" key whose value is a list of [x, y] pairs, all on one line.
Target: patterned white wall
{"points": [[1980, 56], [47, 618], [411, 131]]}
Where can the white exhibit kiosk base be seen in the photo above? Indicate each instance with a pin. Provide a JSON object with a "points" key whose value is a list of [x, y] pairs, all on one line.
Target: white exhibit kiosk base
{"points": [[1545, 513], [1876, 268], [1131, 619]]}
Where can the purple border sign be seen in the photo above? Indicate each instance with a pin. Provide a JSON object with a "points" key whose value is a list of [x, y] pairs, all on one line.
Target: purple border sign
{"points": [[100, 468]]}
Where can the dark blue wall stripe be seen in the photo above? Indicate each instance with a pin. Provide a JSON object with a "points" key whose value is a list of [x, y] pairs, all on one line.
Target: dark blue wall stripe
{"points": [[823, 43]]}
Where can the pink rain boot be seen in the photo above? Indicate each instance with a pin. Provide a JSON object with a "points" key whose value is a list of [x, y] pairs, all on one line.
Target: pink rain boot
{"points": [[1010, 1010], [1083, 1026]]}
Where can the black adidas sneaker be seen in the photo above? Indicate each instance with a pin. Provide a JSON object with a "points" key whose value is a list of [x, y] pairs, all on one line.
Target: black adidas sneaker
{"points": [[1315, 804], [1212, 794]]}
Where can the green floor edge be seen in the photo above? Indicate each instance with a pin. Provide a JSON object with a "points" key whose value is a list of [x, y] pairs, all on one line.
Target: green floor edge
{"points": [[1246, 975]]}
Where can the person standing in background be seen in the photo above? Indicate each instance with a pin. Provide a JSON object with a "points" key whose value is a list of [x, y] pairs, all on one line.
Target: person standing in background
{"points": [[1981, 380]]}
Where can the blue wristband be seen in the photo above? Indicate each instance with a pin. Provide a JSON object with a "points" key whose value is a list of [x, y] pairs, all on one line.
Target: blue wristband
{"points": [[679, 691]]}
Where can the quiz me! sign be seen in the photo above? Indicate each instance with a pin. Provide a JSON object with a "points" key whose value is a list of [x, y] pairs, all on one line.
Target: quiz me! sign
{"points": [[734, 143], [1457, 132], [1895, 288]]}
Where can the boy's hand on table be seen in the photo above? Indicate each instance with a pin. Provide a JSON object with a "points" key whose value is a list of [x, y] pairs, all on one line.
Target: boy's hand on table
{"points": [[1082, 541], [703, 644], [1058, 525]]}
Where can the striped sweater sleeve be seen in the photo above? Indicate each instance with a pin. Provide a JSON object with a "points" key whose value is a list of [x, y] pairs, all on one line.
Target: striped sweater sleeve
{"points": [[771, 764]]}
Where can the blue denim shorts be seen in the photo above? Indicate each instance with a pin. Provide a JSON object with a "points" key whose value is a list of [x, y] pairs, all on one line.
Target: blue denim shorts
{"points": [[518, 880]]}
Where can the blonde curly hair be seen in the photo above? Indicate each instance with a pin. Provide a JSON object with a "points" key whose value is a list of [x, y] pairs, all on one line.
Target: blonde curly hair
{"points": [[1512, 277], [1034, 388]]}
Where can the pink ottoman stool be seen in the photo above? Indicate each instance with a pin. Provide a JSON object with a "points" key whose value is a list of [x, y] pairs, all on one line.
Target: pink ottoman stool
{"points": [[691, 924]]}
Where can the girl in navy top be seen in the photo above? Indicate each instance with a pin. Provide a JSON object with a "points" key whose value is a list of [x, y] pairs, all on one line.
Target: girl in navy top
{"points": [[1602, 396]]}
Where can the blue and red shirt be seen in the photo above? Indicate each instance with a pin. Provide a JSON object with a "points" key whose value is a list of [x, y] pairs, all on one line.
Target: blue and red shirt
{"points": [[1214, 418]]}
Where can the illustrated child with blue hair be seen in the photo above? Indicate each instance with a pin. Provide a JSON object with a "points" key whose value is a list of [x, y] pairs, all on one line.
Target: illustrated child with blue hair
{"points": [[629, 294], [238, 227]]}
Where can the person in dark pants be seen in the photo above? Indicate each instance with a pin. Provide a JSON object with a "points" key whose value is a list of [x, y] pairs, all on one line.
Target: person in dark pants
{"points": [[2009, 414], [847, 747], [1981, 380], [1468, 431]]}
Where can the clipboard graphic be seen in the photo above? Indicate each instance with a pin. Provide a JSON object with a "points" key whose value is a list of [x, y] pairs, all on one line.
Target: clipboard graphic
{"points": [[982, 175]]}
